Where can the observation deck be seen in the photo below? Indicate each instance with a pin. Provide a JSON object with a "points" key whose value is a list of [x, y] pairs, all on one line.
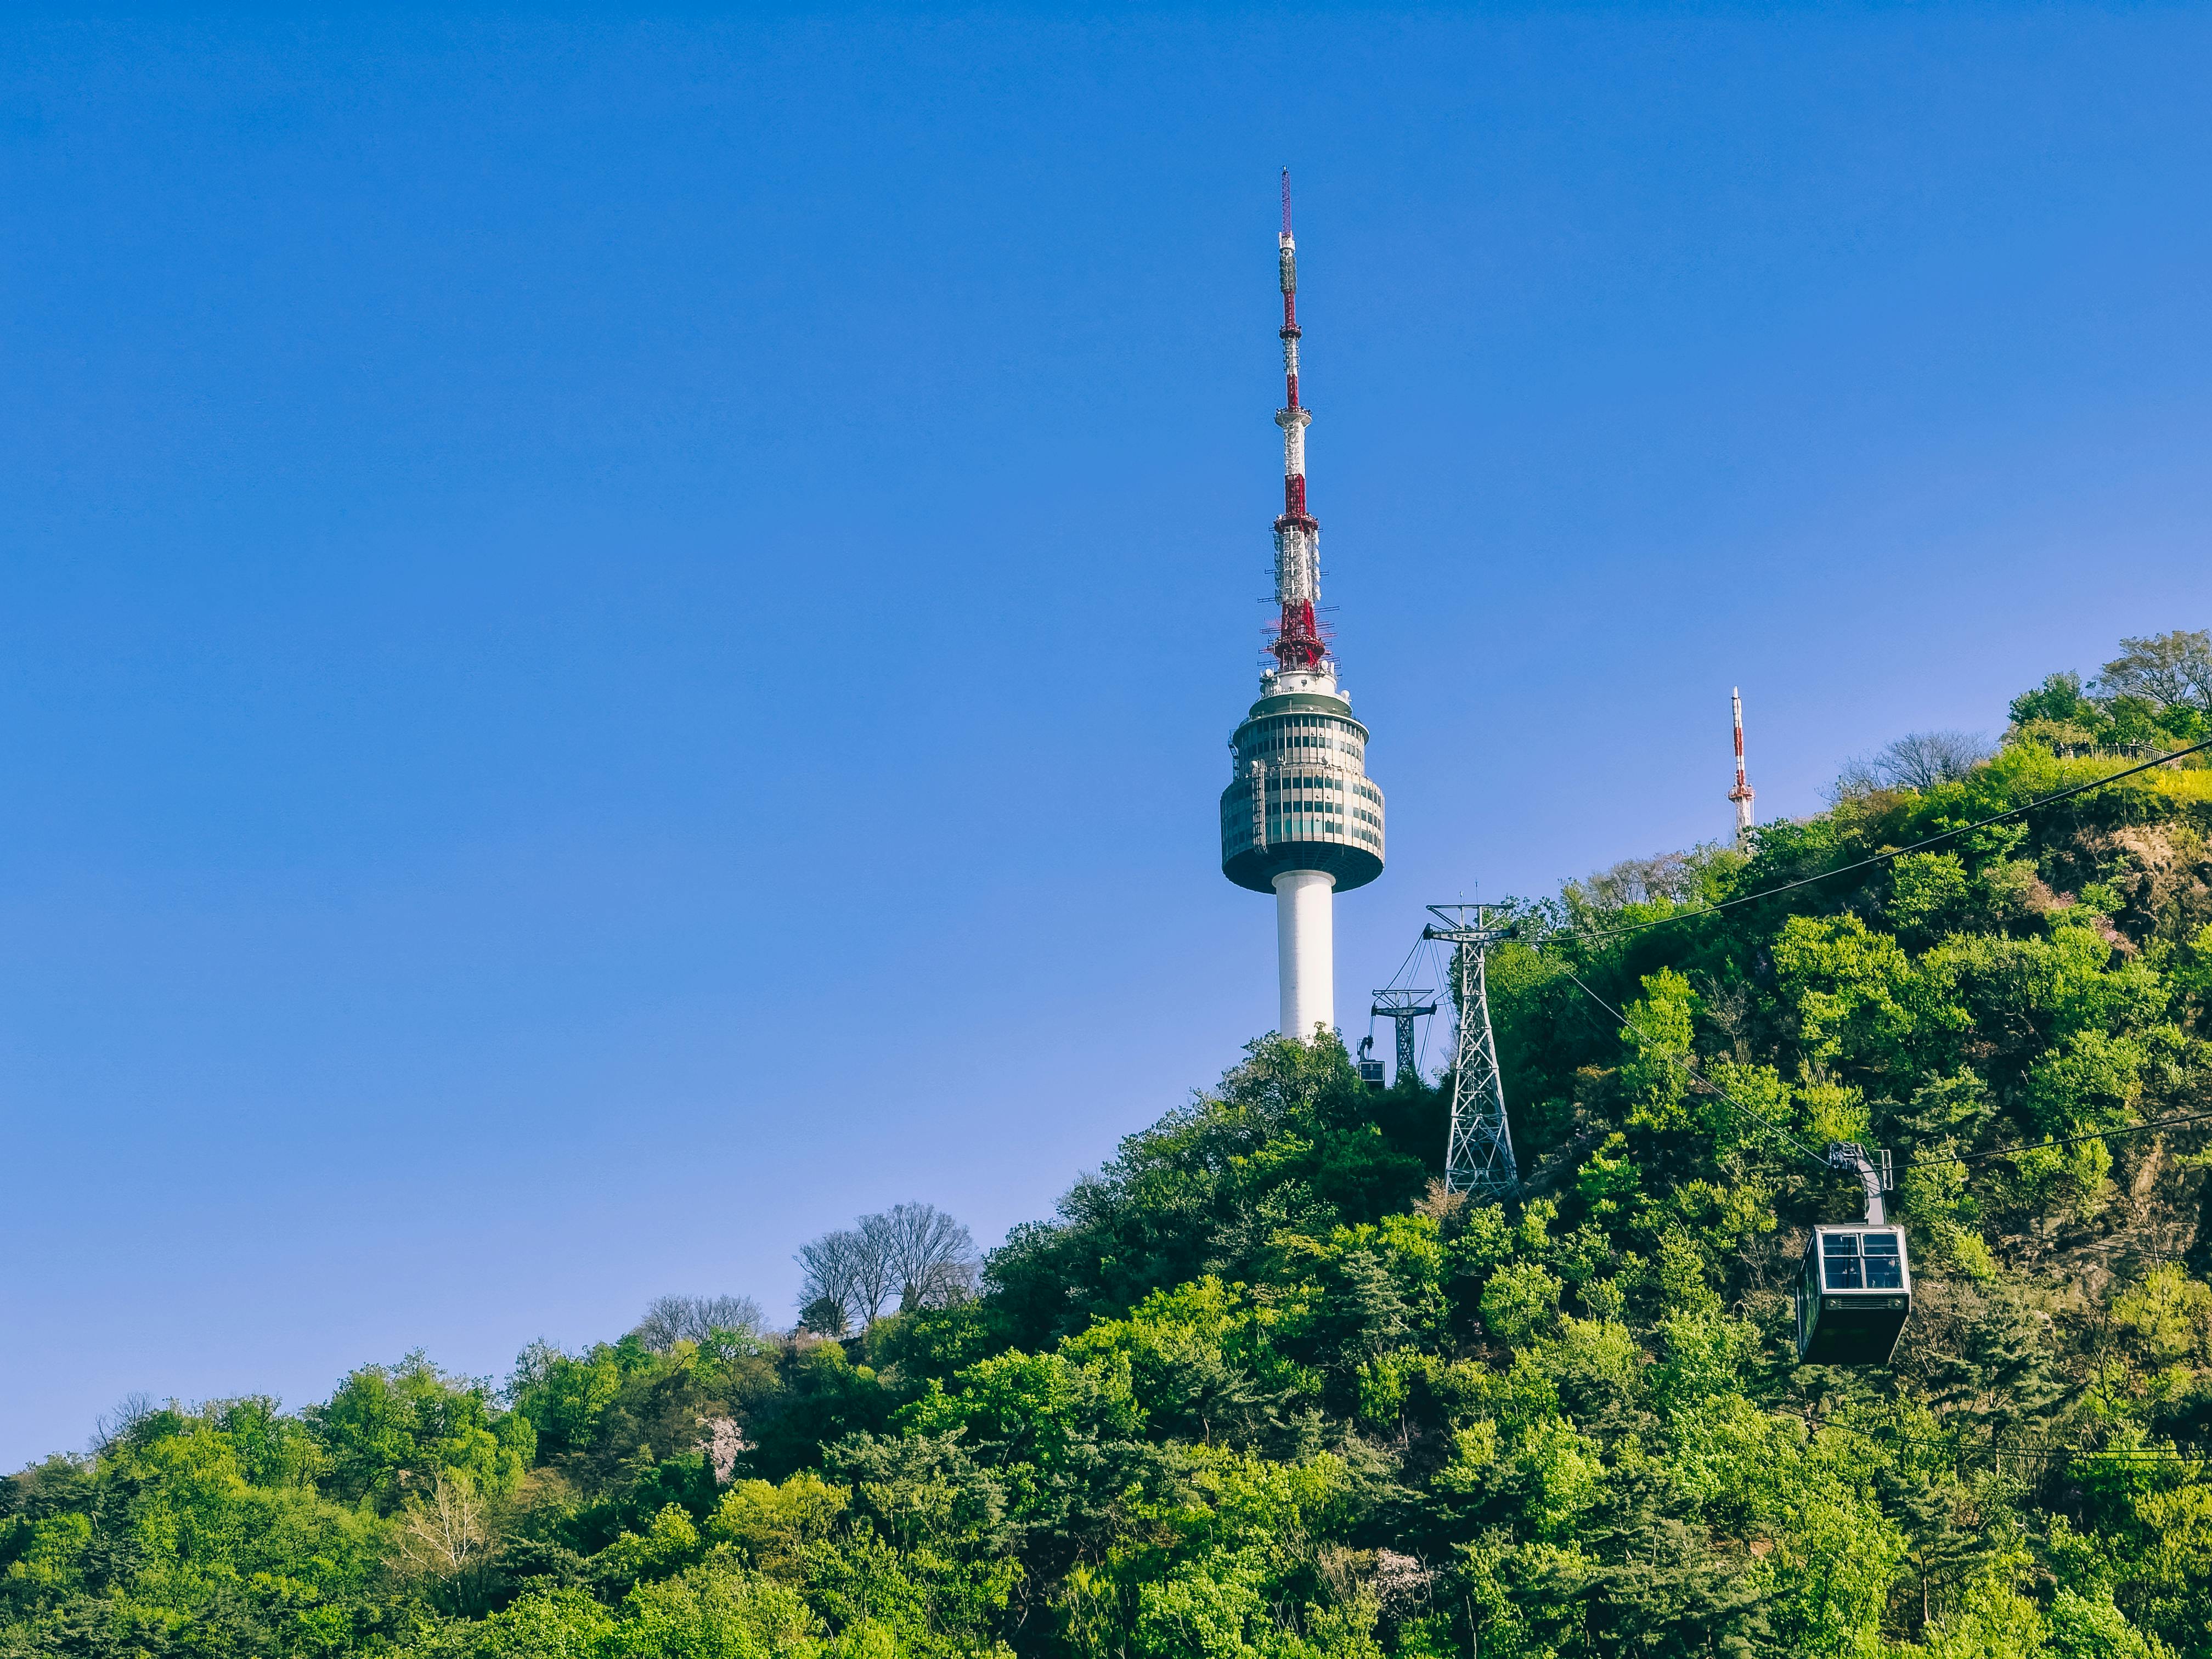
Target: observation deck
{"points": [[1300, 798]]}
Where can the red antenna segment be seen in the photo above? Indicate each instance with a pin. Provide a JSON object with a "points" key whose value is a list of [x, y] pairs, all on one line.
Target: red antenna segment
{"points": [[1297, 537]]}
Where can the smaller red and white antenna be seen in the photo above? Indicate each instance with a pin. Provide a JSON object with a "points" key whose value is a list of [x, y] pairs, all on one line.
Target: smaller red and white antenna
{"points": [[1742, 792]]}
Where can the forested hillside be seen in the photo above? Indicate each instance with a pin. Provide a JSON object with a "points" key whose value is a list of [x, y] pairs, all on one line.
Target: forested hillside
{"points": [[1260, 1388]]}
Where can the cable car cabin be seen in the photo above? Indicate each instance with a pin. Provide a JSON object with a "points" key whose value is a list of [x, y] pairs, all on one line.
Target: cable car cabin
{"points": [[1371, 1069], [1854, 1295]]}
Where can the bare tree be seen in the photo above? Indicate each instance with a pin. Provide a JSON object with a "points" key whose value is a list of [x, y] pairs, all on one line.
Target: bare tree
{"points": [[112, 1426], [446, 1536], [913, 1253], [841, 1270], [875, 1279], [1638, 881], [1918, 760], [1857, 778], [1921, 760], [673, 1318], [2168, 669], [931, 1257]]}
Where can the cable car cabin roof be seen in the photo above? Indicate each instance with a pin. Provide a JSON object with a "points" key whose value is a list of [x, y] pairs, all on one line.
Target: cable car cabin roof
{"points": [[1854, 1295]]}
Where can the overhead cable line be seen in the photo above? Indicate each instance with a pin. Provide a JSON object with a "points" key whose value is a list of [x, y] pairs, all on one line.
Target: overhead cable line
{"points": [[1709, 1086], [1699, 1077], [2070, 1141], [1399, 977], [1570, 937], [1958, 1445]]}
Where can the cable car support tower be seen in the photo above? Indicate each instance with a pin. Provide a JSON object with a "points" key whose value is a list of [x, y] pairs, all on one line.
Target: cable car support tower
{"points": [[1479, 1154], [1401, 1008]]}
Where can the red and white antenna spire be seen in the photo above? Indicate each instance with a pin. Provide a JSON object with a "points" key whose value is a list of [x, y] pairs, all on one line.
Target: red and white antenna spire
{"points": [[1743, 792], [1298, 647]]}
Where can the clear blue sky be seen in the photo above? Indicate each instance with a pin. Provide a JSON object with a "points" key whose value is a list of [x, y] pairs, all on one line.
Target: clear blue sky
{"points": [[618, 637]]}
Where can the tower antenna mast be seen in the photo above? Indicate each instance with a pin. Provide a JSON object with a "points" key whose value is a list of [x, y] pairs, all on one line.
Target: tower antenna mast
{"points": [[1742, 792], [1478, 1150], [1297, 536]]}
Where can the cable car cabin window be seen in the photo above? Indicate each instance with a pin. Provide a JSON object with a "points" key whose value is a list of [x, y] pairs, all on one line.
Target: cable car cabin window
{"points": [[1885, 1268], [1840, 1262]]}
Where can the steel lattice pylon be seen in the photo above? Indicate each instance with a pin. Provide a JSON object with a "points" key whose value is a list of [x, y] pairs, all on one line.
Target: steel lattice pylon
{"points": [[1402, 1008], [1479, 1154]]}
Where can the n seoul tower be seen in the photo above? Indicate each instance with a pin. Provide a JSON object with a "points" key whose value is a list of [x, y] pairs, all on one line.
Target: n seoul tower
{"points": [[1300, 818]]}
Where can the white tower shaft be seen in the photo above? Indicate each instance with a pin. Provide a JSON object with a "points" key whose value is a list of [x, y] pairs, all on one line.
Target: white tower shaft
{"points": [[1305, 951]]}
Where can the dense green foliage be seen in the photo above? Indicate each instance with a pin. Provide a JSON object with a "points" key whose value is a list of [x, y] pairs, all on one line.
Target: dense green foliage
{"points": [[1262, 1388]]}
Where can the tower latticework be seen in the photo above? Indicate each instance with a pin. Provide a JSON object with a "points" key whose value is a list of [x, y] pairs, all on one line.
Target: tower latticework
{"points": [[1401, 1007], [1478, 1149], [1743, 794]]}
